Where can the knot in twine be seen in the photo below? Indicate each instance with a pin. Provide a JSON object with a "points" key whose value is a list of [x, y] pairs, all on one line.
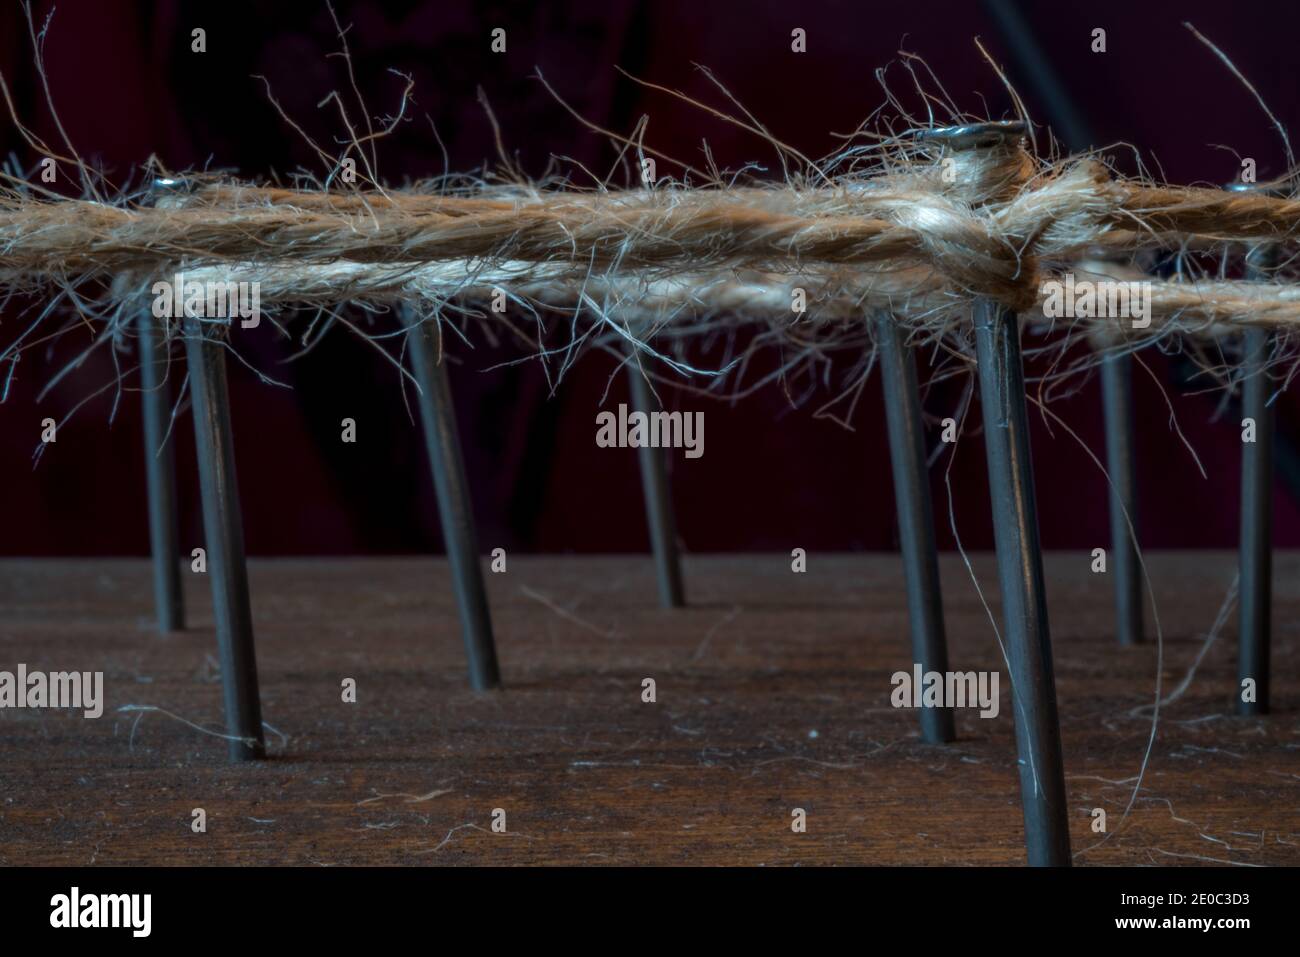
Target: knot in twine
{"points": [[990, 229]]}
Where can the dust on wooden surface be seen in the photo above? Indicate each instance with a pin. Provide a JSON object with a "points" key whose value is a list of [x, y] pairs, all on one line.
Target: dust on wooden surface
{"points": [[772, 694]]}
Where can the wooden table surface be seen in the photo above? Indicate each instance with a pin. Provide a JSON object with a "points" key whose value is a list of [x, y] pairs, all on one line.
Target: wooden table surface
{"points": [[772, 694]]}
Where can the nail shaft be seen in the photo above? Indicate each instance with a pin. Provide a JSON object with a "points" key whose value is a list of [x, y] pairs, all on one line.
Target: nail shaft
{"points": [[442, 441], [915, 516], [1255, 631], [658, 500], [1020, 573], [1020, 559], [160, 472], [1256, 530], [224, 541], [1117, 405]]}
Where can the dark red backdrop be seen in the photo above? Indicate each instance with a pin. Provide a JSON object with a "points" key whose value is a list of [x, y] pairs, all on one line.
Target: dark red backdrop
{"points": [[126, 85]]}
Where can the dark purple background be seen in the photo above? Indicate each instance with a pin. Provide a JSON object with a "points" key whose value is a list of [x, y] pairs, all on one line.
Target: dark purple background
{"points": [[126, 85]]}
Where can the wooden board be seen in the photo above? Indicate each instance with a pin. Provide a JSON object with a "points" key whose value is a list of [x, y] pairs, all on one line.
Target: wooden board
{"points": [[772, 694]]}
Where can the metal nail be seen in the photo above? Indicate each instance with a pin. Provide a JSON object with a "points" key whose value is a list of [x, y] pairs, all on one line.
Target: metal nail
{"points": [[658, 500], [1019, 554], [1256, 552], [915, 515], [442, 442], [224, 540], [160, 471]]}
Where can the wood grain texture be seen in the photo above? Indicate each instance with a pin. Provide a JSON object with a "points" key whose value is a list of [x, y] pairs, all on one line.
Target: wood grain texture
{"points": [[773, 693]]}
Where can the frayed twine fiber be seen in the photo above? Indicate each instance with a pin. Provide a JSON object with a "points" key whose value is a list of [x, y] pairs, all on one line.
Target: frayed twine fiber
{"points": [[706, 267], [1191, 307], [988, 233]]}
